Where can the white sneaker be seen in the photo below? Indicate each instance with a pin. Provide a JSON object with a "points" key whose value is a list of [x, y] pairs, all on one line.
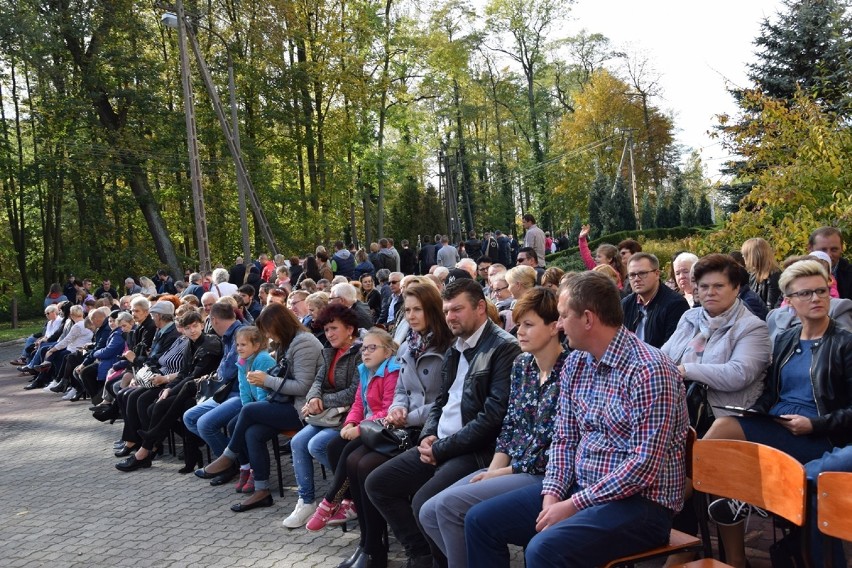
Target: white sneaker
{"points": [[300, 515], [53, 383], [70, 394]]}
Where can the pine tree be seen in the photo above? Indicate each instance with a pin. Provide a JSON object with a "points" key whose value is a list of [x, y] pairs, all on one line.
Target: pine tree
{"points": [[705, 213], [648, 220], [678, 198], [598, 201], [661, 211], [688, 211], [621, 217], [806, 47]]}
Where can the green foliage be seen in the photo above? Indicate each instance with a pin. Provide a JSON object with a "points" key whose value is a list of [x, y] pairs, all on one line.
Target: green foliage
{"points": [[671, 234], [805, 157]]}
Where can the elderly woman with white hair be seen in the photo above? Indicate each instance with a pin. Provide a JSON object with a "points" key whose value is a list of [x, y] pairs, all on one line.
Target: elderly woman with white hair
{"points": [[347, 294], [682, 275], [220, 285]]}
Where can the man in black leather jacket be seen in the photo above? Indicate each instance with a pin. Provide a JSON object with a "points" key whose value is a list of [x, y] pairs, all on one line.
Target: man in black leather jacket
{"points": [[459, 435]]}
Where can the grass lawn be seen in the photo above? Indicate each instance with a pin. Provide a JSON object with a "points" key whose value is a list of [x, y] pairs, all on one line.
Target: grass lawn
{"points": [[25, 329]]}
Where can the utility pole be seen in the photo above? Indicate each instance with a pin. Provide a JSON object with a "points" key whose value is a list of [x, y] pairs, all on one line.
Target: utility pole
{"points": [[242, 174], [192, 144]]}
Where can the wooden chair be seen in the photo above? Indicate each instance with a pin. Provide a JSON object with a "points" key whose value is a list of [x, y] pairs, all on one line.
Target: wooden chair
{"points": [[760, 475], [834, 503], [678, 541]]}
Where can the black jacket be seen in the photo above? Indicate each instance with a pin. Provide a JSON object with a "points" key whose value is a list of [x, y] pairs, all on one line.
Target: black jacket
{"points": [[485, 396], [201, 358], [831, 379], [663, 315], [407, 261], [398, 307], [844, 279], [142, 337], [162, 342]]}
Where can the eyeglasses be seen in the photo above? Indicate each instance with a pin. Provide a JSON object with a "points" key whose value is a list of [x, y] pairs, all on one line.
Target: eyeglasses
{"points": [[394, 281], [808, 294], [499, 289], [639, 275], [370, 348], [522, 259]]}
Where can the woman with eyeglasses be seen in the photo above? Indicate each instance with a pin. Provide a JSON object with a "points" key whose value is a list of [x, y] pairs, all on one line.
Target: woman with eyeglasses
{"points": [[378, 373], [421, 357], [808, 392], [682, 276]]}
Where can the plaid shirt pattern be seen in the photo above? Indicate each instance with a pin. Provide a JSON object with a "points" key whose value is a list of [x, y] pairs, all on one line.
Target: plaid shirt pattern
{"points": [[621, 428]]}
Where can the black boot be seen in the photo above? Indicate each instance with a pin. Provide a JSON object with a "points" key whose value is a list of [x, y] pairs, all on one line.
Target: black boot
{"points": [[192, 458], [349, 562]]}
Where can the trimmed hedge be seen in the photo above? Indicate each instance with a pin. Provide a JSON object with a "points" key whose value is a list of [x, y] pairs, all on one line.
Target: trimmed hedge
{"points": [[570, 259], [673, 233]]}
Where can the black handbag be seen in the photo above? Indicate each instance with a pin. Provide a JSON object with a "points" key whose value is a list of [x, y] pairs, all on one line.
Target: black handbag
{"points": [[700, 414], [212, 387], [282, 371], [387, 440]]}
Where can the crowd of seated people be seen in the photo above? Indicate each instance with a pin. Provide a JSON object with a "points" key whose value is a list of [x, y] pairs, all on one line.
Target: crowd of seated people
{"points": [[492, 366]]}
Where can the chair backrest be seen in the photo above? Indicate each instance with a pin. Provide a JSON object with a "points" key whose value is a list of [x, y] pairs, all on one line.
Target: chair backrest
{"points": [[754, 473], [834, 494]]}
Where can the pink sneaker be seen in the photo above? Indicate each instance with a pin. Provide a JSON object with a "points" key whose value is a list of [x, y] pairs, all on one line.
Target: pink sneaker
{"points": [[321, 516], [345, 513], [241, 482], [249, 485]]}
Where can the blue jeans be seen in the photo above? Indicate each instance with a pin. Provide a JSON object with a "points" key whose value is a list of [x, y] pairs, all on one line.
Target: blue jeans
{"points": [[206, 420], [258, 423], [27, 344], [839, 459], [310, 441], [442, 516], [38, 356], [591, 537]]}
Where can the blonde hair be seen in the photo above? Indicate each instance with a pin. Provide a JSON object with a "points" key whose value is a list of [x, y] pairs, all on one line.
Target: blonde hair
{"points": [[523, 275], [609, 272], [759, 258], [253, 334], [384, 338], [801, 269]]}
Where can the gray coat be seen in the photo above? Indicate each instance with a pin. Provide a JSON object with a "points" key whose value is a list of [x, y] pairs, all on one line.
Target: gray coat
{"points": [[346, 378], [418, 385], [782, 319], [305, 358], [735, 358]]}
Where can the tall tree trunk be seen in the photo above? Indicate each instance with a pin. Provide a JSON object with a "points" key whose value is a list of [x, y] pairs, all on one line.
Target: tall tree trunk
{"points": [[466, 192], [13, 198]]}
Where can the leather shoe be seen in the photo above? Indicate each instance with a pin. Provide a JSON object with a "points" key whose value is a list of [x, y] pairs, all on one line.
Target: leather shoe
{"points": [[225, 476], [371, 561], [132, 464], [349, 562], [125, 451], [32, 385], [240, 508]]}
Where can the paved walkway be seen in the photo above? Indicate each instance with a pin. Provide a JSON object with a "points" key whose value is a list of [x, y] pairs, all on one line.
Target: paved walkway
{"points": [[63, 504]]}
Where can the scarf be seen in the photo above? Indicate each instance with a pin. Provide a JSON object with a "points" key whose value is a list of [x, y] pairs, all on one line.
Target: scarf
{"points": [[707, 326], [419, 343]]}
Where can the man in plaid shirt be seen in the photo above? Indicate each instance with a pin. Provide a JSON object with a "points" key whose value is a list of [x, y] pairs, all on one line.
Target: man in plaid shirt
{"points": [[616, 473]]}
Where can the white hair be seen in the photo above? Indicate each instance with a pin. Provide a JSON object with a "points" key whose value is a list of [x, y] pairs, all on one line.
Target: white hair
{"points": [[441, 272], [468, 265], [141, 302], [220, 275], [345, 292]]}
